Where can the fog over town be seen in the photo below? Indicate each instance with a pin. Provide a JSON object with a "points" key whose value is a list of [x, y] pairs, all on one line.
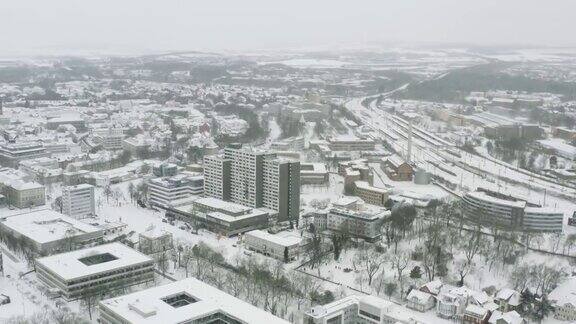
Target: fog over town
{"points": [[308, 162]]}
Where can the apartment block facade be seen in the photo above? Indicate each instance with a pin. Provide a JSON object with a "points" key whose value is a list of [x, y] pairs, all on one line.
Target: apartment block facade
{"points": [[255, 179]]}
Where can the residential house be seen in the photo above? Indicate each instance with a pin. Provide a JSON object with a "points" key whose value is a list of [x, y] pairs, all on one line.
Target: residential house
{"points": [[420, 301]]}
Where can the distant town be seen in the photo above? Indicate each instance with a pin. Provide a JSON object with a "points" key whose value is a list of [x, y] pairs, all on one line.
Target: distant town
{"points": [[361, 186]]}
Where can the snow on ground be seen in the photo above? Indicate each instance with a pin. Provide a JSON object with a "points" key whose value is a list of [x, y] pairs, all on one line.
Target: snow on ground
{"points": [[141, 219], [311, 63], [334, 270], [333, 191], [25, 294], [407, 188]]}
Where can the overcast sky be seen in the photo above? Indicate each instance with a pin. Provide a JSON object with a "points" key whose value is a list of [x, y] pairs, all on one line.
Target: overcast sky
{"points": [[34, 26]]}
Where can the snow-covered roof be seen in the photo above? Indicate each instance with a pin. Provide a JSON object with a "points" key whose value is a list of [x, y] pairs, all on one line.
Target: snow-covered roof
{"points": [[69, 267], [481, 195], [43, 226], [148, 306], [155, 233], [395, 160], [433, 286], [286, 241], [419, 296], [397, 312], [511, 317], [335, 306], [476, 310], [223, 205], [365, 185], [509, 295], [312, 168]]}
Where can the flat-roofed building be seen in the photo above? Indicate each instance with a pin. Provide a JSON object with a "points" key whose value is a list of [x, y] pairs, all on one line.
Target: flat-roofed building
{"points": [[349, 143], [217, 176], [12, 153], [98, 269], [496, 208], [219, 216], [155, 241], [78, 201], [77, 121], [43, 170], [185, 301], [50, 232], [296, 143], [280, 246], [370, 194], [361, 221], [163, 191], [256, 179], [355, 170], [109, 138], [313, 173], [165, 170], [362, 309]]}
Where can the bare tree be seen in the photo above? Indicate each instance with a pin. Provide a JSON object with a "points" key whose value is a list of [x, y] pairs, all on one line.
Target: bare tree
{"points": [[400, 261], [369, 261], [108, 192]]}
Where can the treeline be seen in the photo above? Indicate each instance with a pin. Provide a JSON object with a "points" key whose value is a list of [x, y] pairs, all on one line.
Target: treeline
{"points": [[458, 84]]}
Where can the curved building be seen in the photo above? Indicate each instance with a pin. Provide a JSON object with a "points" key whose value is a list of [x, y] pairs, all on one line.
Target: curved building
{"points": [[490, 207]]}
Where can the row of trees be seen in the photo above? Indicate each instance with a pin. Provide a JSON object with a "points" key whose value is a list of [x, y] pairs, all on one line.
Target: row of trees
{"points": [[265, 284], [59, 316]]}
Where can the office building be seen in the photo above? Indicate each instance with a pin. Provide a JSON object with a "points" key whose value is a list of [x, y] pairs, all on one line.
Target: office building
{"points": [[98, 269], [185, 301], [165, 170], [78, 201], [163, 191], [359, 220], [219, 216], [12, 153], [362, 309], [494, 208], [77, 121], [280, 246], [348, 143], [50, 232], [109, 138], [313, 173]]}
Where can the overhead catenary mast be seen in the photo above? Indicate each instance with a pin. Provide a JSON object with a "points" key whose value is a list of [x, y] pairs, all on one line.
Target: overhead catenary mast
{"points": [[408, 157]]}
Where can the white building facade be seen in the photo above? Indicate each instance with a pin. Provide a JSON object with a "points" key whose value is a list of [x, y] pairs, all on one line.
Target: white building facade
{"points": [[78, 201]]}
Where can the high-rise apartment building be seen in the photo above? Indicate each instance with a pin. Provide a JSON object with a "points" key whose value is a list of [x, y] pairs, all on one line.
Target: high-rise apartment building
{"points": [[256, 179]]}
